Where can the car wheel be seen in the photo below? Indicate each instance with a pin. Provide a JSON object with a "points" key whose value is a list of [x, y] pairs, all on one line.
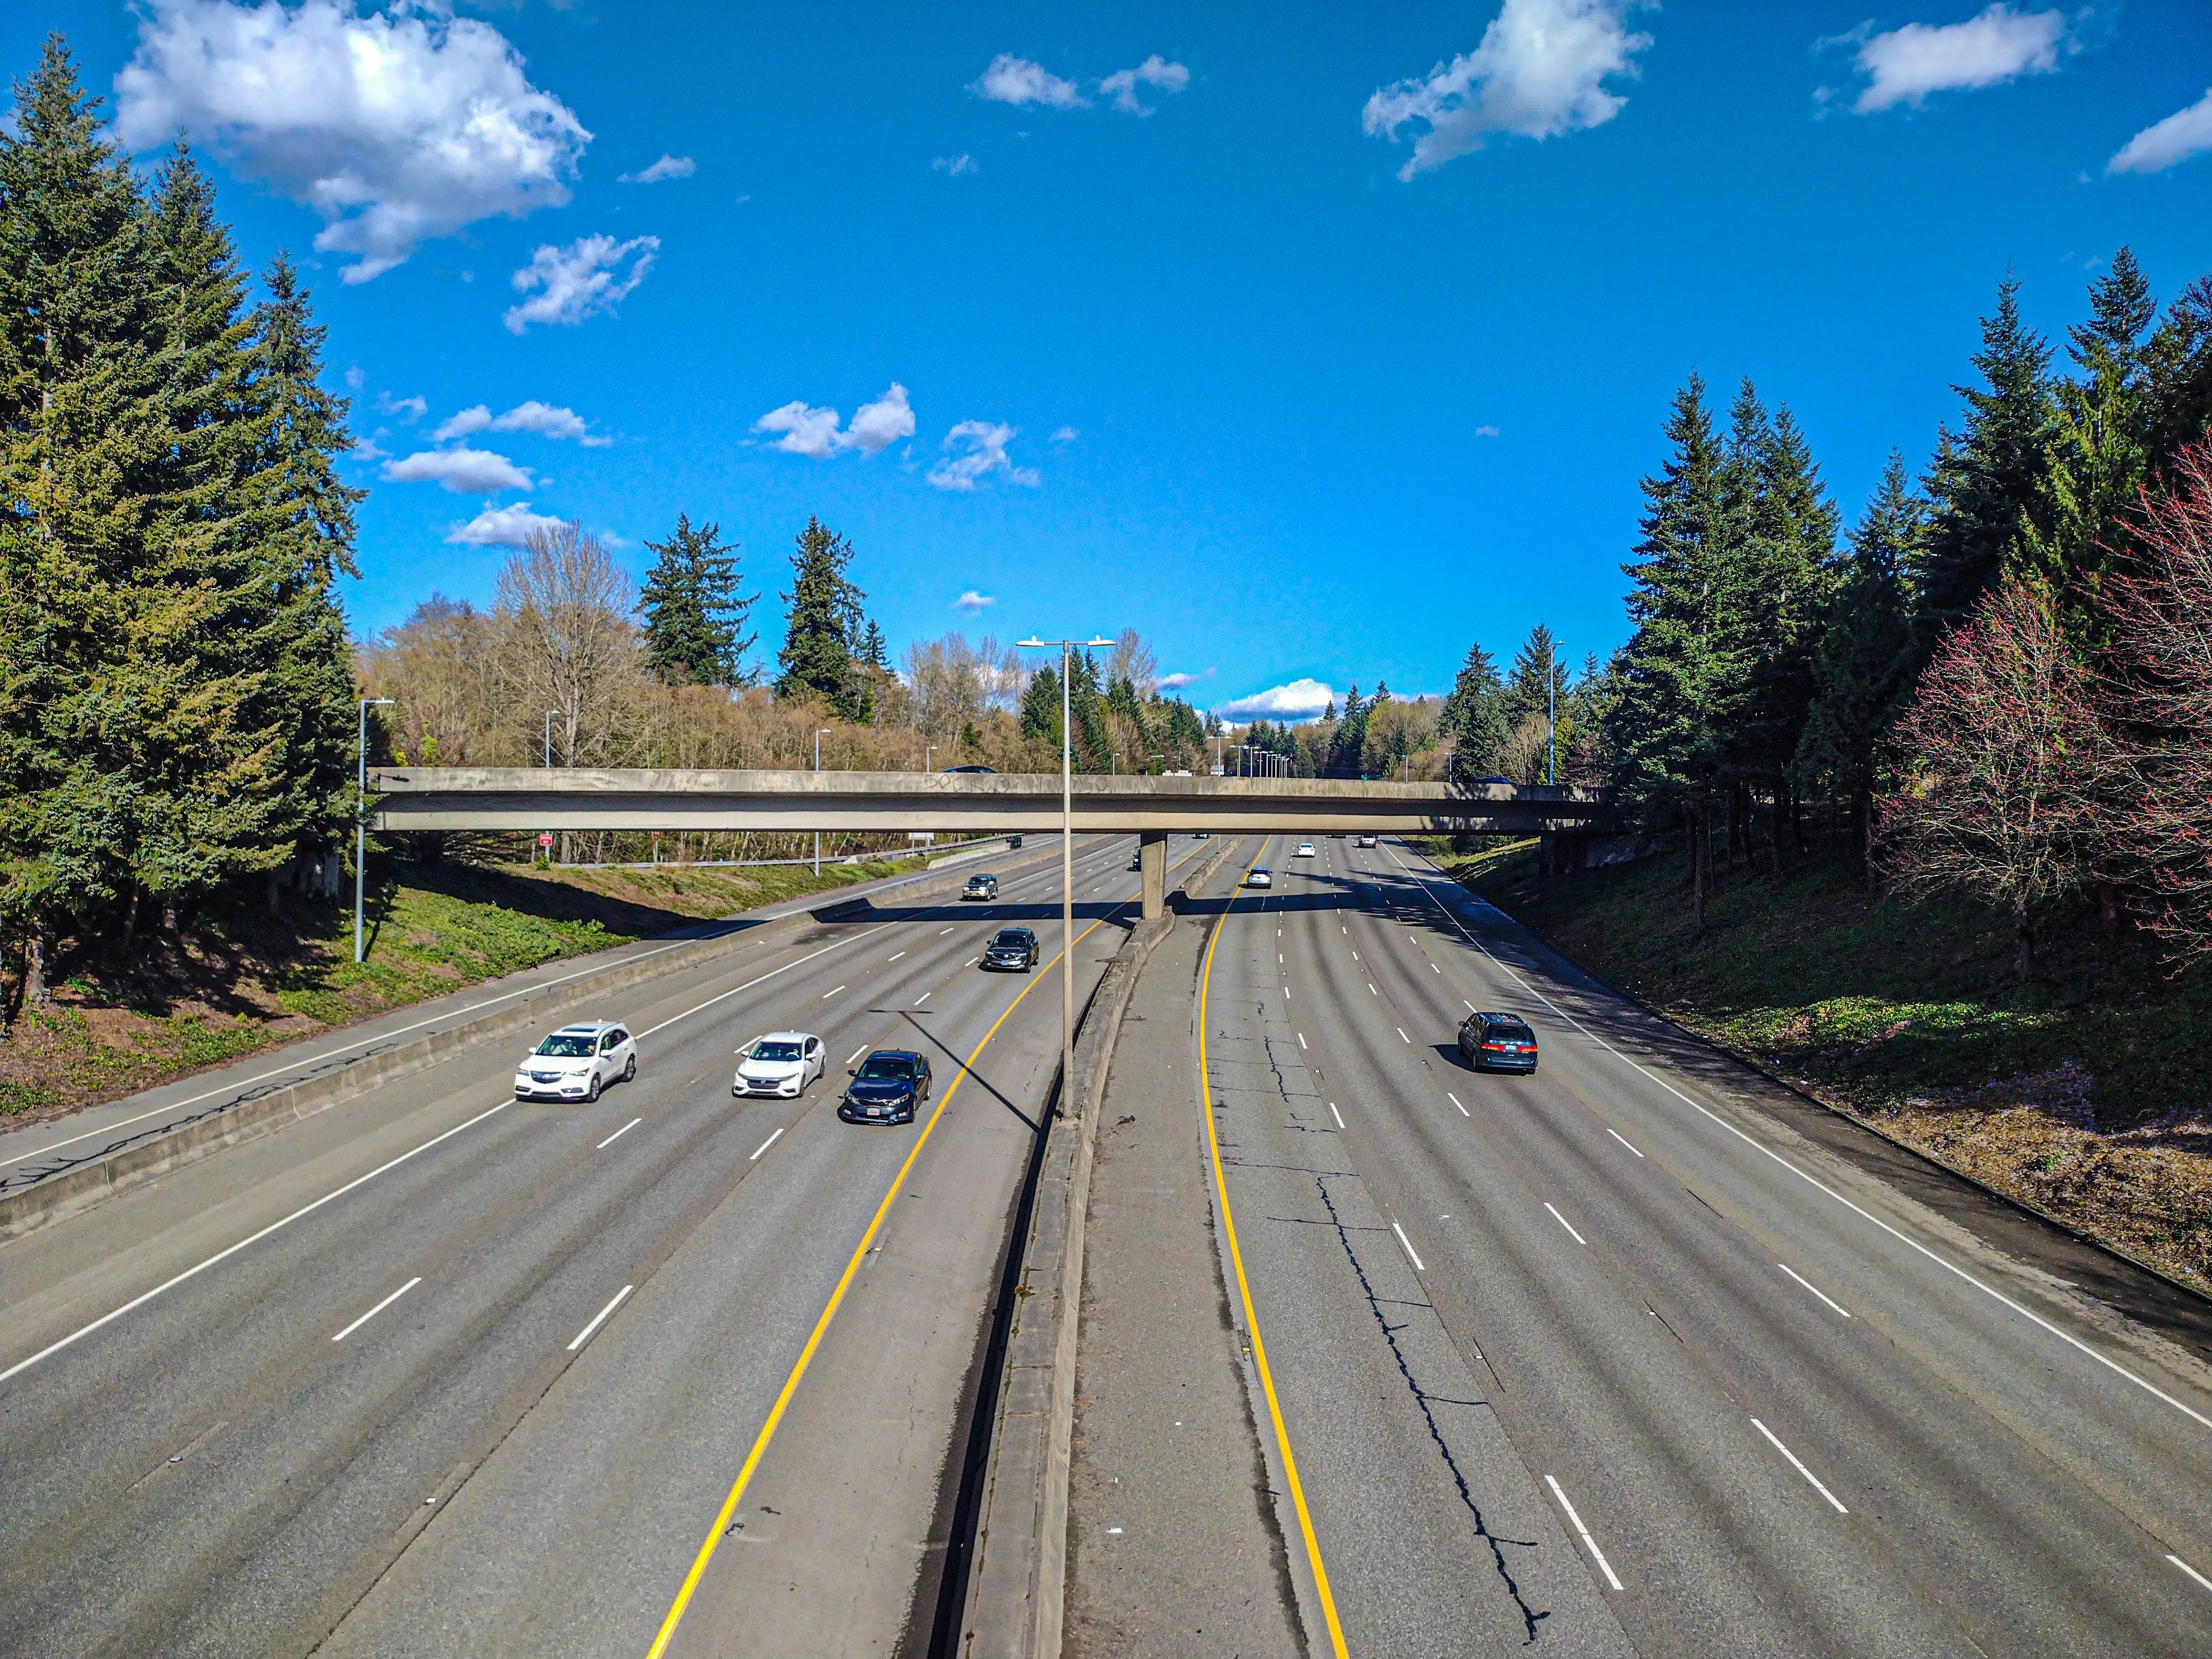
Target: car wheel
{"points": [[630, 1069], [594, 1094]]}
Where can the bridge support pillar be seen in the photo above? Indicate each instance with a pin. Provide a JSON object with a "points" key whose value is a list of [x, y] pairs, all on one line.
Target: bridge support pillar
{"points": [[1152, 875]]}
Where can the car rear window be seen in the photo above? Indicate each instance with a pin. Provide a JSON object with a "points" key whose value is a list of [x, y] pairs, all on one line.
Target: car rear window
{"points": [[1511, 1029], [557, 1047], [776, 1051], [883, 1067]]}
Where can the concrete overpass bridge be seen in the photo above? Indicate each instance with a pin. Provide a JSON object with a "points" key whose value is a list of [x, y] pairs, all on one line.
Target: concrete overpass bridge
{"points": [[535, 798]]}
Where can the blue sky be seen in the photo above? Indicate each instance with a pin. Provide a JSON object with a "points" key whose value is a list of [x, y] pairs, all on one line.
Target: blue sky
{"points": [[1313, 343]]}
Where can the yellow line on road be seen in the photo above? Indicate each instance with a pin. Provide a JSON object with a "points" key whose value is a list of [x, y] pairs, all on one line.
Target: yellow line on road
{"points": [[821, 1325], [1244, 1290]]}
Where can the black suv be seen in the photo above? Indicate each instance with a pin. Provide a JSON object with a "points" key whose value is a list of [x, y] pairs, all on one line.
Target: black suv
{"points": [[1013, 948], [889, 1087], [1498, 1043]]}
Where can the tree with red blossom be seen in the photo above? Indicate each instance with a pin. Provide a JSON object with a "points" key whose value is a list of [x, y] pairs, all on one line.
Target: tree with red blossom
{"points": [[1999, 753], [2159, 684]]}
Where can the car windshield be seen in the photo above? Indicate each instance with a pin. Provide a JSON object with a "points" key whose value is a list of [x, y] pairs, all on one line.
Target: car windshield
{"points": [[1008, 939], [558, 1046], [776, 1051], [980, 881], [885, 1068]]}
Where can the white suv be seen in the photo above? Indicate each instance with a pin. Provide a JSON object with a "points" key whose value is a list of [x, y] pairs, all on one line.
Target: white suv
{"points": [[577, 1061]]}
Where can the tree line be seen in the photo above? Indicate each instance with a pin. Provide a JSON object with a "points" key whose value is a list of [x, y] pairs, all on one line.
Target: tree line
{"points": [[1998, 681]]}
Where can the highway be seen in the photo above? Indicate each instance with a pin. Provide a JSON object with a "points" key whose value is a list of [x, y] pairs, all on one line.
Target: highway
{"points": [[437, 1372], [1600, 1361]]}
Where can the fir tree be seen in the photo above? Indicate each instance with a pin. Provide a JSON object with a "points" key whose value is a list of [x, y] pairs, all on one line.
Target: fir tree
{"points": [[1858, 669], [1040, 715], [694, 617], [1349, 740], [816, 659], [1987, 483], [1473, 718], [1538, 680], [2178, 377]]}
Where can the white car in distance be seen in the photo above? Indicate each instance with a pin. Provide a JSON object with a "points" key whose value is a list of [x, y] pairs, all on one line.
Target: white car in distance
{"points": [[780, 1065], [577, 1061], [1261, 877], [1306, 850]]}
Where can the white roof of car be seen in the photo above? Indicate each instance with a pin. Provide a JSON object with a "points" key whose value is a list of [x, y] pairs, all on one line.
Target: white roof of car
{"points": [[585, 1028], [785, 1036]]}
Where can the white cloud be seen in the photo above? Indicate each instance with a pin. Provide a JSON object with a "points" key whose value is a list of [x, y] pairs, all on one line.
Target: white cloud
{"points": [[668, 166], [813, 432], [354, 377], [395, 128], [983, 448], [365, 449], [954, 164], [2185, 133], [1486, 432], [1301, 700], [972, 602], [409, 409], [464, 471], [502, 527], [579, 281], [460, 425], [1012, 80], [1178, 682], [1537, 74], [1155, 71], [1066, 434], [1904, 65]]}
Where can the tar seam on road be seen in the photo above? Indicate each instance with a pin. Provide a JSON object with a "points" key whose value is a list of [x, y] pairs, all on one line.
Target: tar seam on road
{"points": [[1244, 1290], [821, 1326], [618, 1134], [224, 1255], [1833, 1501], [377, 1309], [1589, 1542], [1812, 1181], [599, 1318]]}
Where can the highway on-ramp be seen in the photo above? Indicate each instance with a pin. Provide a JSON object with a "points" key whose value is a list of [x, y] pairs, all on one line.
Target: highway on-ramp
{"points": [[1598, 1361], [437, 1372]]}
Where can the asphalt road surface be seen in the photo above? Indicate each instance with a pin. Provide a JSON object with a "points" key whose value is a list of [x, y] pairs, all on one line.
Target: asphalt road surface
{"points": [[441, 1373], [1600, 1360]]}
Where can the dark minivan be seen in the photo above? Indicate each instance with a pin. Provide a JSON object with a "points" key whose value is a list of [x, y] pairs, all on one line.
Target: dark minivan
{"points": [[1498, 1043]]}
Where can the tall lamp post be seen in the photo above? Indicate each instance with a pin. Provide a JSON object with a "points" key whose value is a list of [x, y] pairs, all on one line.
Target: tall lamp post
{"points": [[824, 732], [360, 819], [1067, 867], [1551, 717]]}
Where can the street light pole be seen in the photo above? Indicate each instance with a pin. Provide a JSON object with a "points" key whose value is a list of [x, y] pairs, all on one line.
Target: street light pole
{"points": [[1067, 868], [819, 736], [360, 819], [1552, 716]]}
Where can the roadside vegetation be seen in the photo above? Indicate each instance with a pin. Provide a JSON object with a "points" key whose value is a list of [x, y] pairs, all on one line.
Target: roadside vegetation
{"points": [[2085, 1091]]}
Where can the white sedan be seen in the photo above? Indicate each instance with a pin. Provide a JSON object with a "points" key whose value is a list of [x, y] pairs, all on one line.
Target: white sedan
{"points": [[1306, 850], [781, 1064]]}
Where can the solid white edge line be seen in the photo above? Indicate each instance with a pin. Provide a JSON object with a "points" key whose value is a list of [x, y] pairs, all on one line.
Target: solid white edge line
{"points": [[599, 1318], [1408, 1243], [1799, 1467], [765, 1144], [378, 1309], [224, 1255], [618, 1134], [1589, 1542], [1815, 1289], [1568, 1225], [1454, 1098], [1338, 1115], [1622, 1139], [1814, 1182], [2192, 1571]]}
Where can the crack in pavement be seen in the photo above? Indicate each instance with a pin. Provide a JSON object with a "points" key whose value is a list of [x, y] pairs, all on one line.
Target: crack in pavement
{"points": [[1529, 1617]]}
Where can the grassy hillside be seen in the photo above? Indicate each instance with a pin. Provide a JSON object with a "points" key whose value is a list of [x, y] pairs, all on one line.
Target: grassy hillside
{"points": [[2087, 1092], [242, 982]]}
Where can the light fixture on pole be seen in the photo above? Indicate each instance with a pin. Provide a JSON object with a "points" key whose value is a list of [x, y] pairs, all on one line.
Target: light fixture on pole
{"points": [[360, 819], [1552, 716], [1067, 867], [824, 732]]}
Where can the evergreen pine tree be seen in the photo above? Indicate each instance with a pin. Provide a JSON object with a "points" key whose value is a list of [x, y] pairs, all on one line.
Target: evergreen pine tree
{"points": [[1040, 715], [2178, 375], [1858, 669], [693, 617], [1473, 718], [816, 658], [1988, 483], [1350, 739], [1538, 678]]}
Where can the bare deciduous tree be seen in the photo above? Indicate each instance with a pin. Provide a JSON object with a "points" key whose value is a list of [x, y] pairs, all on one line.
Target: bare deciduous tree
{"points": [[569, 647], [2160, 688], [1999, 751]]}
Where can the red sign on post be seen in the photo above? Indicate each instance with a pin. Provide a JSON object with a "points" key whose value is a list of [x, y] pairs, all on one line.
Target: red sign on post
{"points": [[545, 840]]}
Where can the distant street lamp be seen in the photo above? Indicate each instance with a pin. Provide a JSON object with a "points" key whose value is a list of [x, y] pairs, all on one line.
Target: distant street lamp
{"points": [[927, 749], [360, 819], [1067, 867], [824, 732]]}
